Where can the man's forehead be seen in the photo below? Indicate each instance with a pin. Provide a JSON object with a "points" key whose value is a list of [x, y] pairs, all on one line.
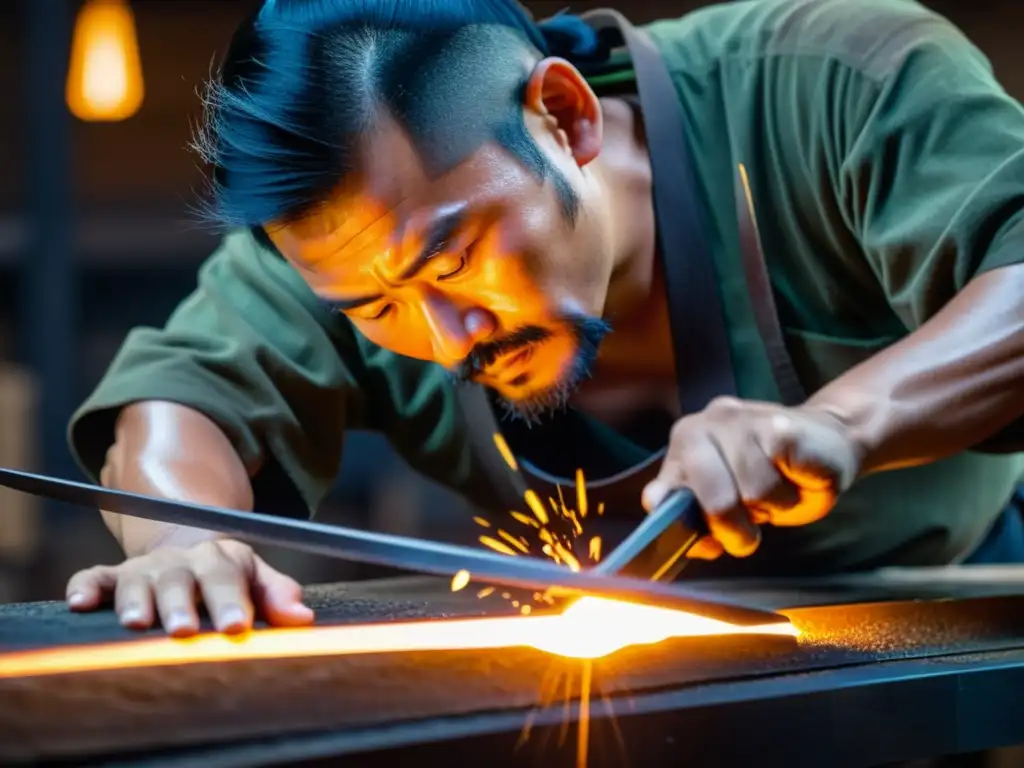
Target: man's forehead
{"points": [[391, 196], [367, 207]]}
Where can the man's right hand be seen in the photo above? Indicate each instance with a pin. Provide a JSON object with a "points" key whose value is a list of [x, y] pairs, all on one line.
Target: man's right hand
{"points": [[232, 581]]}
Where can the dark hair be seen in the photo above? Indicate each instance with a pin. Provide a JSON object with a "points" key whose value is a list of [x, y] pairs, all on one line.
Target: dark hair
{"points": [[303, 80]]}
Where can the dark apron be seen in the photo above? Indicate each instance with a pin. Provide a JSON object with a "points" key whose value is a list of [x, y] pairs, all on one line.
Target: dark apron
{"points": [[696, 316]]}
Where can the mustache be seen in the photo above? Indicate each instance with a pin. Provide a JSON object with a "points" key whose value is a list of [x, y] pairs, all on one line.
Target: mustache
{"points": [[485, 353], [589, 333]]}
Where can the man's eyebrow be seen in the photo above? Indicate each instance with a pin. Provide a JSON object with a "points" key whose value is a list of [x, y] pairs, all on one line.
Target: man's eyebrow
{"points": [[436, 239], [344, 305]]}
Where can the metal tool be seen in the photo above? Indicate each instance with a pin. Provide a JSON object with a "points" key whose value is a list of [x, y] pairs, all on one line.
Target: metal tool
{"points": [[384, 549], [657, 549]]}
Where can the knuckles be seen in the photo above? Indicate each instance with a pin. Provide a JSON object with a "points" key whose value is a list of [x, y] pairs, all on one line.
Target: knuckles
{"points": [[725, 407], [722, 411], [720, 502], [172, 576]]}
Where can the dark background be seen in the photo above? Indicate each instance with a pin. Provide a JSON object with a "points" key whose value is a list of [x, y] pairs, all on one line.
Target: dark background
{"points": [[96, 237]]}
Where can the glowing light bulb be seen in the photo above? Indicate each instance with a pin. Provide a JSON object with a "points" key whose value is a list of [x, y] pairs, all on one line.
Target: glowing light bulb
{"points": [[105, 81]]}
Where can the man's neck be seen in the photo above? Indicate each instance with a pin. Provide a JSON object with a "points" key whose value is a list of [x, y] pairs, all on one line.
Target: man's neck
{"points": [[625, 170], [640, 345]]}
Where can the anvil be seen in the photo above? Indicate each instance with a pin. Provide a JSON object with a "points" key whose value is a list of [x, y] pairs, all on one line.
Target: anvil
{"points": [[888, 667]]}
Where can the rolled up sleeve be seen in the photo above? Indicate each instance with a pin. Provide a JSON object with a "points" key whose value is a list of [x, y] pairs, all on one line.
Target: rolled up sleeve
{"points": [[252, 349]]}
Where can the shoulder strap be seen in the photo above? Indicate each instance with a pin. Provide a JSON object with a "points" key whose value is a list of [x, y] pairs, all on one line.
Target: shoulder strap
{"points": [[762, 297], [698, 319], [704, 367]]}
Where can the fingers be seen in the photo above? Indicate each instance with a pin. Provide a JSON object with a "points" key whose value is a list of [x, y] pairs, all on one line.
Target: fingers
{"points": [[279, 597], [88, 589], [706, 549], [694, 460], [175, 589], [766, 493], [711, 479], [224, 583], [816, 462], [133, 600], [755, 463], [166, 585], [813, 450]]}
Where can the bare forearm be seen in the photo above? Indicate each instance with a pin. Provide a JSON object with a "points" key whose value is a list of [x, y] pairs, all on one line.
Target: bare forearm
{"points": [[167, 450], [945, 388]]}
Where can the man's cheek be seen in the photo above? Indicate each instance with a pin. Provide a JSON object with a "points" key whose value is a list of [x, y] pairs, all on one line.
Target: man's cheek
{"points": [[553, 359], [504, 289]]}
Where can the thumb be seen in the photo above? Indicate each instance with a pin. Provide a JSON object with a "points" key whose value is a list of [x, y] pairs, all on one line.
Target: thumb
{"points": [[279, 597]]}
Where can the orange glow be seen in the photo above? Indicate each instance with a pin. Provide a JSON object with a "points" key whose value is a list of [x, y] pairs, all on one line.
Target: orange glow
{"points": [[589, 628], [105, 74]]}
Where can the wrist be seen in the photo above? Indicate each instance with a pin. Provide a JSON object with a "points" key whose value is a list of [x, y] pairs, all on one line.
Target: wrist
{"points": [[859, 422]]}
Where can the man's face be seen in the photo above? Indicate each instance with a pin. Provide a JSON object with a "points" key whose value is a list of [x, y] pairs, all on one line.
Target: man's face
{"points": [[479, 270]]}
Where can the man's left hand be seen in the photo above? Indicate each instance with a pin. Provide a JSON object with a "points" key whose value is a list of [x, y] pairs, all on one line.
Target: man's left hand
{"points": [[750, 463]]}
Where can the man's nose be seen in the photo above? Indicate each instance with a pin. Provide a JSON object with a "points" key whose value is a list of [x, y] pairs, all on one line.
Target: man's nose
{"points": [[455, 329]]}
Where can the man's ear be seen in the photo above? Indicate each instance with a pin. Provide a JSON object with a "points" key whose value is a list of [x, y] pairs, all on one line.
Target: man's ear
{"points": [[556, 90]]}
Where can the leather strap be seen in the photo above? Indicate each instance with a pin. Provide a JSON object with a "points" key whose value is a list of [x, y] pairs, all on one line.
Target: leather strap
{"points": [[762, 296], [704, 365], [704, 368]]}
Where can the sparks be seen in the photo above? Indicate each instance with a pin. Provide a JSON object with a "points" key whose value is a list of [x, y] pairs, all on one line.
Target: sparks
{"points": [[583, 732], [524, 519], [497, 546], [535, 505], [514, 541], [581, 493], [557, 546], [460, 580], [567, 557], [506, 452]]}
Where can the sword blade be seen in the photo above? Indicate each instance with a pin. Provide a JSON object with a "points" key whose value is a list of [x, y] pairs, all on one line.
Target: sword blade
{"points": [[381, 549]]}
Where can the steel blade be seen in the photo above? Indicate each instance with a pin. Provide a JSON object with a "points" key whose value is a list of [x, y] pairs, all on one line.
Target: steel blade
{"points": [[657, 548], [382, 549]]}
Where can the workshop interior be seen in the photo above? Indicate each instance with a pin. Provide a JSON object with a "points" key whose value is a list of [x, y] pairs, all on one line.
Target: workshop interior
{"points": [[99, 235]]}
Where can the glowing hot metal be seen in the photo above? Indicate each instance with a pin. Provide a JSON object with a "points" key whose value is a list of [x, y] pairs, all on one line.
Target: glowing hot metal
{"points": [[589, 628]]}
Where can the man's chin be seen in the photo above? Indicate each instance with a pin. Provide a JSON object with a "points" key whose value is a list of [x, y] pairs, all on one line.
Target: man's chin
{"points": [[534, 407]]}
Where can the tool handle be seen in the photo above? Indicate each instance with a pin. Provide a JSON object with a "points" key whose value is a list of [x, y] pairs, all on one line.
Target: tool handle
{"points": [[679, 513], [691, 516]]}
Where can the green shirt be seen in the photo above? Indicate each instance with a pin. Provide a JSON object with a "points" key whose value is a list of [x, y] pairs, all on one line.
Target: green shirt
{"points": [[886, 166]]}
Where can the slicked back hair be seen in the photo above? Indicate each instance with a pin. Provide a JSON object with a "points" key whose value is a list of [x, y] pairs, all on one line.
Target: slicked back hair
{"points": [[305, 81]]}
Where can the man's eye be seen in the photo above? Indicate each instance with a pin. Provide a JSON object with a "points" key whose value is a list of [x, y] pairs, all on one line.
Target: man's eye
{"points": [[457, 270]]}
